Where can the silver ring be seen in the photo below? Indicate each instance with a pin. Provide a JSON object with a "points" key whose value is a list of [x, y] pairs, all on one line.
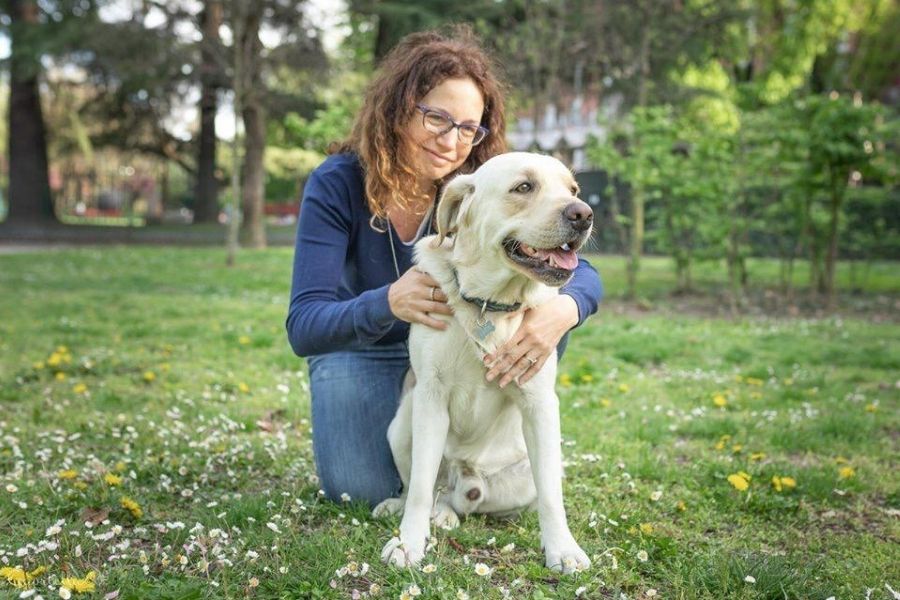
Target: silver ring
{"points": [[533, 361], [432, 293]]}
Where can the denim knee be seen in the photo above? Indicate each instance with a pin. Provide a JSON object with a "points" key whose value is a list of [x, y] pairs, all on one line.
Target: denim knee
{"points": [[354, 398]]}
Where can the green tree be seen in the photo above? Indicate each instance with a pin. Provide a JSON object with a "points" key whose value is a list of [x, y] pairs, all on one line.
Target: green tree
{"points": [[846, 143]]}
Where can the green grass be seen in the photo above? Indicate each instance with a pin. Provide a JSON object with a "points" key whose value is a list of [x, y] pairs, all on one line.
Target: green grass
{"points": [[176, 376]]}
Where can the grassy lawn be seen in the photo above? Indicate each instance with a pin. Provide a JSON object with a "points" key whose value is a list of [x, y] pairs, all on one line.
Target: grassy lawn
{"points": [[155, 432]]}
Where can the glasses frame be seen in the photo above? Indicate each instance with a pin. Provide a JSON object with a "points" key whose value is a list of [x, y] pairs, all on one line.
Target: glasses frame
{"points": [[484, 131]]}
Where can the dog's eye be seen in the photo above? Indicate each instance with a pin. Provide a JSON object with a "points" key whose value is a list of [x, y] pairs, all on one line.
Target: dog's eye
{"points": [[574, 191], [523, 188]]}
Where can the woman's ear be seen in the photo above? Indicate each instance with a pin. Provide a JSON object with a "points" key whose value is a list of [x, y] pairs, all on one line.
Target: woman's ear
{"points": [[448, 207]]}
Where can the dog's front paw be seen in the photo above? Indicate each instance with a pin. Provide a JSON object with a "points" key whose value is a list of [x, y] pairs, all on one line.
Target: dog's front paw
{"points": [[402, 554], [567, 557], [391, 507]]}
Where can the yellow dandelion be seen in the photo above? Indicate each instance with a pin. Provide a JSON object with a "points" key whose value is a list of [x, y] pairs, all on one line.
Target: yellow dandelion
{"points": [[131, 506], [15, 576], [737, 448], [745, 475], [80, 586], [67, 474], [740, 483], [753, 381], [79, 388], [38, 365], [62, 349], [54, 359], [841, 460], [871, 407], [243, 387], [244, 340], [112, 479], [720, 445], [565, 380], [605, 402], [846, 472], [60, 376], [646, 528], [80, 485], [719, 400], [757, 456], [789, 482], [776, 483], [120, 466], [21, 579], [624, 388], [587, 378], [149, 376], [681, 506]]}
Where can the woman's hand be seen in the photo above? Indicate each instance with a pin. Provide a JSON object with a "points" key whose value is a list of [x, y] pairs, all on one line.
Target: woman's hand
{"points": [[528, 349], [414, 296]]}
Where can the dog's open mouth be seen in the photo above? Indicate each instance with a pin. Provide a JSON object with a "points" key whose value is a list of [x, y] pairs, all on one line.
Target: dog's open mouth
{"points": [[550, 265]]}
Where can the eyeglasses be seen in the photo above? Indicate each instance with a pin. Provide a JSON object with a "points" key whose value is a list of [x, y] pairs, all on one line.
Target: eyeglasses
{"points": [[438, 122]]}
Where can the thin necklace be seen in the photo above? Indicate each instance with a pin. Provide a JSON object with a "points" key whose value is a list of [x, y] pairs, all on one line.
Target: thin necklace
{"points": [[393, 251], [391, 241]]}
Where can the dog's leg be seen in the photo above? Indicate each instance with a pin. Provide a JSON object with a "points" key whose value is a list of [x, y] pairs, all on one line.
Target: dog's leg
{"points": [[400, 431], [432, 419], [399, 436], [540, 425]]}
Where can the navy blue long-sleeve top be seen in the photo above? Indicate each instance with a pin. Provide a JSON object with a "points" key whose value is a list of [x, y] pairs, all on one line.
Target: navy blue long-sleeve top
{"points": [[343, 268]]}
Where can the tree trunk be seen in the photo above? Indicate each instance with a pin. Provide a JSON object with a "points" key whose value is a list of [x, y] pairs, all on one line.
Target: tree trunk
{"points": [[637, 194], [837, 197], [636, 240], [253, 232], [29, 182], [206, 208]]}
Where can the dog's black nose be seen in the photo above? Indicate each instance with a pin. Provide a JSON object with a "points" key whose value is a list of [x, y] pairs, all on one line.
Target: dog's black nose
{"points": [[579, 215]]}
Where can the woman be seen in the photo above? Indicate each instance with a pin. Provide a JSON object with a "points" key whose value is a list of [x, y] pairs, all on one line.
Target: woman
{"points": [[434, 109]]}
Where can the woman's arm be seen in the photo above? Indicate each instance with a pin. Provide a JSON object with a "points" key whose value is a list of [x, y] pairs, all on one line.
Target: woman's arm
{"points": [[317, 320], [586, 289]]}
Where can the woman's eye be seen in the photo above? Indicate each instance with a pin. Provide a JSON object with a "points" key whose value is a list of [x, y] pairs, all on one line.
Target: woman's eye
{"points": [[523, 188]]}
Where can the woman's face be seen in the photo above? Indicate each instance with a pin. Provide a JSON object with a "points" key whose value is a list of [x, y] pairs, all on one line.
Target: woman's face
{"points": [[436, 155]]}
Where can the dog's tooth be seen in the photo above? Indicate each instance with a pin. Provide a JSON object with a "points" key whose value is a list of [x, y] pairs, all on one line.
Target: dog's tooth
{"points": [[565, 247]]}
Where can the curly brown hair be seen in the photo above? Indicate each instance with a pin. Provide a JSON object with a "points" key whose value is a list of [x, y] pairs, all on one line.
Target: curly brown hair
{"points": [[417, 64]]}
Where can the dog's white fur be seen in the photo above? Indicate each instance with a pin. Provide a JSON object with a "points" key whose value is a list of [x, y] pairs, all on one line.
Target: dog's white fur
{"points": [[481, 448]]}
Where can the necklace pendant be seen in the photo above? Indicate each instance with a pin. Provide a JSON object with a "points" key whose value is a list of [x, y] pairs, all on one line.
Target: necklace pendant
{"points": [[483, 328]]}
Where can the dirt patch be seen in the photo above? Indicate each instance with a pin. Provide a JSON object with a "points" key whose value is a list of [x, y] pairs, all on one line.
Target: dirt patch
{"points": [[878, 308]]}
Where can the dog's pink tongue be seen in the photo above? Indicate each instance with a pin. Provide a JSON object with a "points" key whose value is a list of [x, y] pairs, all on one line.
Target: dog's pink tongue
{"points": [[560, 258]]}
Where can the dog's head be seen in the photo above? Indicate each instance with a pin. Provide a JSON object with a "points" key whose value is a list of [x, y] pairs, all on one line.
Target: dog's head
{"points": [[518, 210]]}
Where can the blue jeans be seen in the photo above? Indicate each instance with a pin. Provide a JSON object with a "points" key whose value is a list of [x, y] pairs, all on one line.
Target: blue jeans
{"points": [[355, 395]]}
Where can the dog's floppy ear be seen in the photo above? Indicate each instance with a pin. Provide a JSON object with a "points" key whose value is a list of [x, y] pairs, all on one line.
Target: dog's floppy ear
{"points": [[448, 207]]}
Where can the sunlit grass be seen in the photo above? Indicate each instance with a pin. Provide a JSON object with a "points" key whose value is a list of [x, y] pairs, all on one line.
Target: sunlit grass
{"points": [[167, 370]]}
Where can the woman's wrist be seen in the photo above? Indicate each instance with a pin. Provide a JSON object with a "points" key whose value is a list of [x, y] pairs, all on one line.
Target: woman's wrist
{"points": [[569, 309]]}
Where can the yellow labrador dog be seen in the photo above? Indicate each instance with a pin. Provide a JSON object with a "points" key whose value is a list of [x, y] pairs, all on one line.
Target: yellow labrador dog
{"points": [[507, 237]]}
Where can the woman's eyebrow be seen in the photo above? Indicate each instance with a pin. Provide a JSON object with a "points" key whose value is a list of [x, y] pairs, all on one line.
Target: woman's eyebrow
{"points": [[447, 114]]}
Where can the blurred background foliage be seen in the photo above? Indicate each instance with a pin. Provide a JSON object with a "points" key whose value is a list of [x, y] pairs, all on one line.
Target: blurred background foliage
{"points": [[721, 130]]}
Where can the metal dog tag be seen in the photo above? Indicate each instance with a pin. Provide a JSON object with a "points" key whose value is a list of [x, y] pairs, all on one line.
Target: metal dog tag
{"points": [[483, 329]]}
